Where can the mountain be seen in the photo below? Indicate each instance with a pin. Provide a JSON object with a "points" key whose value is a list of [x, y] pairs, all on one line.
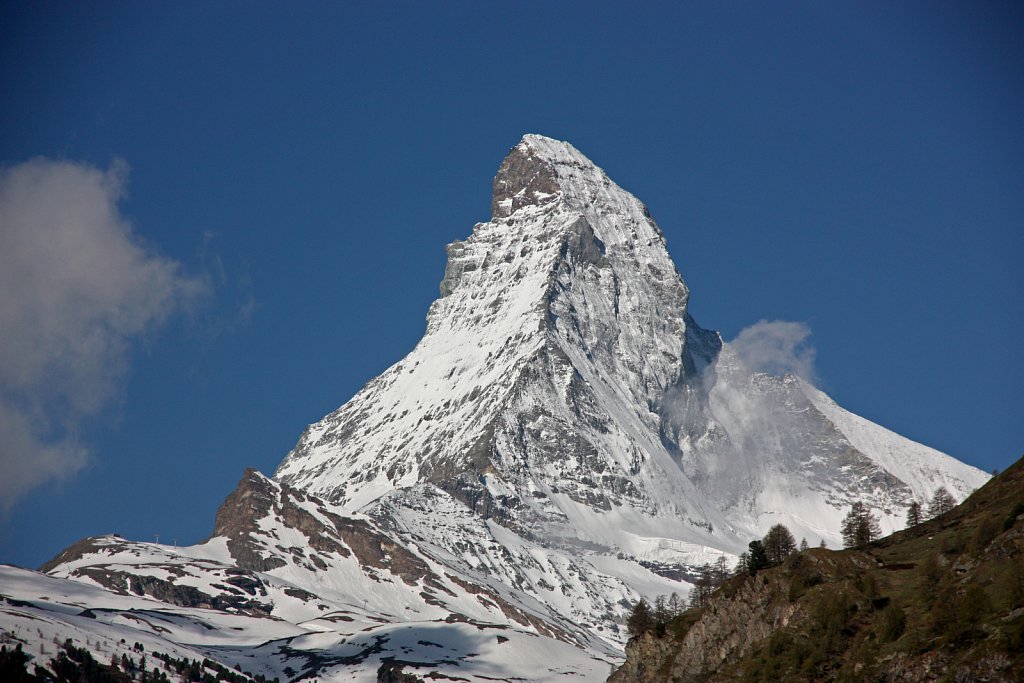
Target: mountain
{"points": [[562, 389], [564, 440], [286, 587], [943, 600]]}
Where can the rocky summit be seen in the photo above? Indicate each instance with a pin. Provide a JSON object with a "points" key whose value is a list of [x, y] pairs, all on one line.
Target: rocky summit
{"points": [[564, 440], [563, 390]]}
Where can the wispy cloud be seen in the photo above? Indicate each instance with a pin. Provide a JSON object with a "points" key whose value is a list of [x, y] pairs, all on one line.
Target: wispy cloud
{"points": [[776, 347], [77, 287]]}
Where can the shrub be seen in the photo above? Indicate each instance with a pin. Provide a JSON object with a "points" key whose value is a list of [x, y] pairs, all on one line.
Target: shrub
{"points": [[894, 620], [1011, 518], [931, 576], [962, 615], [1013, 638], [986, 533]]}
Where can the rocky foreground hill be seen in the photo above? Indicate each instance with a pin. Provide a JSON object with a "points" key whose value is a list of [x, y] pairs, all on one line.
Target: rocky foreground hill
{"points": [[941, 601]]}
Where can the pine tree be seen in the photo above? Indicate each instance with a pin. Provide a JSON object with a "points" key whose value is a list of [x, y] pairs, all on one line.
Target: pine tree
{"points": [[941, 503], [914, 514], [661, 615], [640, 620], [675, 605], [703, 586], [860, 527], [803, 544], [743, 565], [758, 559], [720, 571], [823, 544], [778, 544]]}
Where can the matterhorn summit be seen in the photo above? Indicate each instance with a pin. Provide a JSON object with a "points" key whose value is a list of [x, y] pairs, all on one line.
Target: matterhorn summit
{"points": [[562, 390], [563, 441]]}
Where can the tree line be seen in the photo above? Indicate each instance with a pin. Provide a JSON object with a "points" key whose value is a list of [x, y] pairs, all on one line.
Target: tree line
{"points": [[859, 528], [77, 665], [773, 549]]}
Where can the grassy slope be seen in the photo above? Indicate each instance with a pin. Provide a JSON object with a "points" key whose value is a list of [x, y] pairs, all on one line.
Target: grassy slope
{"points": [[944, 600]]}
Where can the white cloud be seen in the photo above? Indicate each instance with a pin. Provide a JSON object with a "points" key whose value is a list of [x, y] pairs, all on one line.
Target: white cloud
{"points": [[776, 347], [76, 288]]}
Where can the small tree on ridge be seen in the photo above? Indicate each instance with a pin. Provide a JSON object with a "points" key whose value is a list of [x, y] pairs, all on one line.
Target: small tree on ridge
{"points": [[778, 544], [640, 620], [941, 503], [860, 526], [914, 514]]}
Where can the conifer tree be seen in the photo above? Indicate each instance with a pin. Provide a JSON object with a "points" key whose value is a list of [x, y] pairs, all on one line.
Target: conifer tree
{"points": [[914, 514], [661, 615], [640, 620], [675, 605], [941, 503], [860, 526], [720, 571], [803, 544], [703, 586], [758, 559], [743, 565], [778, 544]]}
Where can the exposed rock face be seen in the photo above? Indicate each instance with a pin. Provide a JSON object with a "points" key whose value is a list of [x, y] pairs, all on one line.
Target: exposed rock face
{"points": [[86, 546], [237, 518], [240, 592], [524, 178], [646, 656], [729, 628], [256, 498]]}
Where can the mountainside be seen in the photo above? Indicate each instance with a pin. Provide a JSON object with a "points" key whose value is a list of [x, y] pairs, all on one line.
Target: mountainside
{"points": [[289, 587], [943, 600], [564, 440], [562, 389]]}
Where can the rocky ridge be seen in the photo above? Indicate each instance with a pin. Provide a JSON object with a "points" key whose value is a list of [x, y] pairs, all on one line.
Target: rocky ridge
{"points": [[292, 572]]}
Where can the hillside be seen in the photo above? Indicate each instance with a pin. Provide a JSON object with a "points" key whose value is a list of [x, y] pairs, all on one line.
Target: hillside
{"points": [[941, 601]]}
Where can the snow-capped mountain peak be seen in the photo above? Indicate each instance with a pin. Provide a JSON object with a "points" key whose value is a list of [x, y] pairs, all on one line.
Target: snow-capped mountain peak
{"points": [[563, 389], [563, 440]]}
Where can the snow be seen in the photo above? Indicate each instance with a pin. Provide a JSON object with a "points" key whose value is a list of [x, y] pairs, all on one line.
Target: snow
{"points": [[922, 468]]}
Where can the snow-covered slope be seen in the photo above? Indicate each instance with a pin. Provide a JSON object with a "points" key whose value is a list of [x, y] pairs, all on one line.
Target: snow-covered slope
{"points": [[41, 612], [289, 582], [562, 389]]}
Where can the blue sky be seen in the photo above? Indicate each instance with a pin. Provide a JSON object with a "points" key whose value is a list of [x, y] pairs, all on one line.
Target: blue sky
{"points": [[290, 174]]}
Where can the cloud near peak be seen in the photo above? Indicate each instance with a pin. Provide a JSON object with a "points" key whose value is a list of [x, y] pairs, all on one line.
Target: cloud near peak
{"points": [[776, 347], [77, 288]]}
